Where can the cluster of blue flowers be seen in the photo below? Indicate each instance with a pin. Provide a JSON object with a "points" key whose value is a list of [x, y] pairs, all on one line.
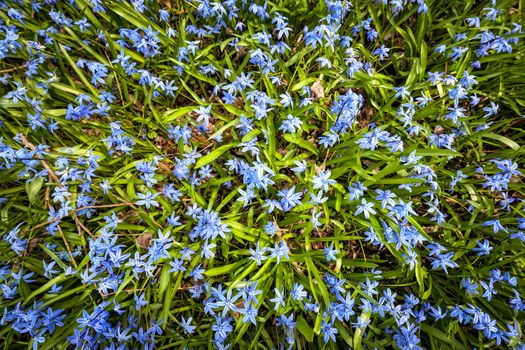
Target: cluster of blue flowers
{"points": [[227, 173]]}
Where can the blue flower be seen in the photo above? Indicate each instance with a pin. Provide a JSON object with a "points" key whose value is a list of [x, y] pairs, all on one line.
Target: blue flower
{"points": [[249, 313], [258, 254], [186, 325], [443, 261], [278, 299], [289, 198], [330, 253], [291, 124], [298, 293], [279, 251], [322, 180]]}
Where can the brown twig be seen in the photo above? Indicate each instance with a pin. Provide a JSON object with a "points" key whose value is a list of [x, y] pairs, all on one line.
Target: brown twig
{"points": [[50, 171], [55, 178], [13, 69], [67, 247], [106, 206], [47, 198], [140, 290], [84, 228], [76, 210]]}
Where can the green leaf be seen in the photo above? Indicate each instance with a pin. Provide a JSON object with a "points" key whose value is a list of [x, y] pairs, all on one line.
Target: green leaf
{"points": [[172, 115], [225, 269], [165, 279], [303, 83], [305, 329], [216, 153], [33, 188], [437, 152], [358, 335], [505, 140], [45, 287], [301, 143]]}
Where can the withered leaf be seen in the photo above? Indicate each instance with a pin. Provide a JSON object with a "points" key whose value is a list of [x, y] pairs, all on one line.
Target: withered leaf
{"points": [[144, 240], [317, 90]]}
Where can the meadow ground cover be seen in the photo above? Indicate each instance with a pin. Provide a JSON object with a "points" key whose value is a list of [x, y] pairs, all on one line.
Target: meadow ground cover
{"points": [[283, 174]]}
